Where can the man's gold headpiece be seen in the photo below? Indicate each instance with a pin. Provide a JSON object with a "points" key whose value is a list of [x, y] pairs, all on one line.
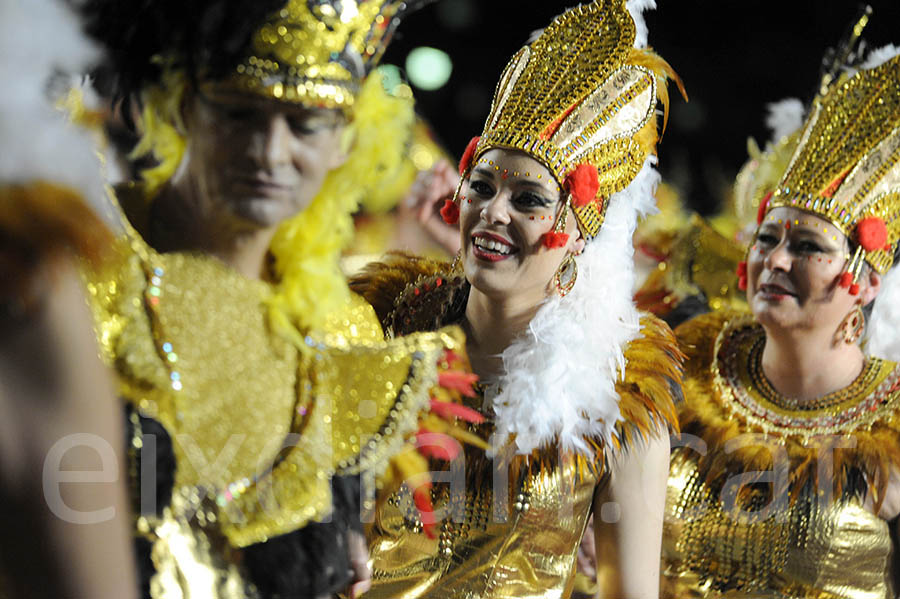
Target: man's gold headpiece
{"points": [[582, 101], [316, 52], [846, 167]]}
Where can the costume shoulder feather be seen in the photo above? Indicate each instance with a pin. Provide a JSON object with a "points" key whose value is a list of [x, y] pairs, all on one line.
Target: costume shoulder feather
{"points": [[651, 387]]}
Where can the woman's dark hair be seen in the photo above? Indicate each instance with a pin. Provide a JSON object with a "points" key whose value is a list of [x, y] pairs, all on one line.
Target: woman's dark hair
{"points": [[141, 38]]}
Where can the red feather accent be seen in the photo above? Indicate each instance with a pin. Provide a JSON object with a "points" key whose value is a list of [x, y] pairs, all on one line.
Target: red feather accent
{"points": [[871, 232], [448, 410], [742, 269], [450, 212], [466, 161], [742, 283], [763, 205], [553, 240], [458, 380], [846, 279], [436, 445], [422, 499], [583, 183]]}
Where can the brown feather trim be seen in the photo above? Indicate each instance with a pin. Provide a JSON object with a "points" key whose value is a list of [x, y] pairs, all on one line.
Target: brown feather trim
{"points": [[382, 283], [706, 415], [41, 227], [47, 218]]}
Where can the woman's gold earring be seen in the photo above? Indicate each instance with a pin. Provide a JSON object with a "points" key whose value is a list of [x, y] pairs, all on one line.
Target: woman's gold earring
{"points": [[853, 325], [565, 276]]}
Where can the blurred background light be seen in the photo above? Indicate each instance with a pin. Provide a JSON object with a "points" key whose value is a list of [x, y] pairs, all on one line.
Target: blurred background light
{"points": [[428, 68]]}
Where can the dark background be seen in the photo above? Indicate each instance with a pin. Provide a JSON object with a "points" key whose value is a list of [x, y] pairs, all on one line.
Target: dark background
{"points": [[734, 57]]}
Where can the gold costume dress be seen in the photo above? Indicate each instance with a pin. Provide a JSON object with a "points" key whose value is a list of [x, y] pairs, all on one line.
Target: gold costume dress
{"points": [[258, 427], [514, 530], [725, 535]]}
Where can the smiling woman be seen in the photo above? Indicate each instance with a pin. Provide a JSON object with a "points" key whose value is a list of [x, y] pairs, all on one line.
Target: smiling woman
{"points": [[788, 479], [578, 386]]}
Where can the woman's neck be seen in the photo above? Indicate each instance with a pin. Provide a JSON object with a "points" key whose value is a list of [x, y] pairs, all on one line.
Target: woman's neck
{"points": [[178, 223], [808, 365], [491, 326]]}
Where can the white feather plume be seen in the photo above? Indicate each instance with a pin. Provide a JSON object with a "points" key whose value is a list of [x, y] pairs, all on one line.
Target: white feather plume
{"points": [[883, 329], [785, 117], [39, 40], [879, 56], [559, 382], [636, 8]]}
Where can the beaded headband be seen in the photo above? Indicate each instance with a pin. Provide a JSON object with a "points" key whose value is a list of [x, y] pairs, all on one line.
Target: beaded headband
{"points": [[581, 100], [317, 52]]}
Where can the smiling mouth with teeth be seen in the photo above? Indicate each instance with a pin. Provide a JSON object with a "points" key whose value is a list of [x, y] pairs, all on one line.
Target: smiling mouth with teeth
{"points": [[492, 246]]}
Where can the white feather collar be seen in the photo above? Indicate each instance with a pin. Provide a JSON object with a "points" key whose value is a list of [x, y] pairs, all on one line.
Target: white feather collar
{"points": [[560, 376]]}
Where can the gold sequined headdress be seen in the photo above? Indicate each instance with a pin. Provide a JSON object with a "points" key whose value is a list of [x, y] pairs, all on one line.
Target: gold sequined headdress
{"points": [[582, 101], [846, 167], [317, 52]]}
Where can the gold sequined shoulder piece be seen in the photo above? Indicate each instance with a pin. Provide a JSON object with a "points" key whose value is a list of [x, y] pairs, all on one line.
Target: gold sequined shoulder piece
{"points": [[357, 410], [724, 399], [355, 323]]}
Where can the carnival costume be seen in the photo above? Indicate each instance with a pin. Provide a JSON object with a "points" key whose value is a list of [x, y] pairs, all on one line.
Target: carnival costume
{"points": [[581, 100], [785, 513], [251, 397]]}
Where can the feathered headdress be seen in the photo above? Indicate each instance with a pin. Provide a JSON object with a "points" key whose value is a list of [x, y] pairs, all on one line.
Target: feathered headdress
{"points": [[581, 99]]}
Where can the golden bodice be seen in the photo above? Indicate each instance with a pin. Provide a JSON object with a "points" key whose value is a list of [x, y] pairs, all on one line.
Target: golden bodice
{"points": [[827, 550], [725, 534], [497, 541]]}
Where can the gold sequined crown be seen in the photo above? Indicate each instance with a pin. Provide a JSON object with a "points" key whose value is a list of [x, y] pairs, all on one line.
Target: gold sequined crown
{"points": [[581, 94], [316, 52], [846, 167]]}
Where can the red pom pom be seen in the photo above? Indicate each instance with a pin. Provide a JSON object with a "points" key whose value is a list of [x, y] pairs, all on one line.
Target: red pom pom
{"points": [[552, 240], [742, 269], [871, 233], [763, 205], [846, 279], [854, 289], [583, 183], [450, 212], [742, 283], [466, 161]]}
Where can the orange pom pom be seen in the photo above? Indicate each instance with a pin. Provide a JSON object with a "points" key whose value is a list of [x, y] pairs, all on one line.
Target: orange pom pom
{"points": [[466, 161], [552, 240], [583, 183], [450, 212], [846, 280], [854, 289], [871, 233]]}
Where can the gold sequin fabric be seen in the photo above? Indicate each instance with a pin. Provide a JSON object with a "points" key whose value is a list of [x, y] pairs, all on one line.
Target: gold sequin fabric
{"points": [[496, 540], [580, 94], [317, 53], [258, 426], [846, 166], [511, 525], [742, 522]]}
